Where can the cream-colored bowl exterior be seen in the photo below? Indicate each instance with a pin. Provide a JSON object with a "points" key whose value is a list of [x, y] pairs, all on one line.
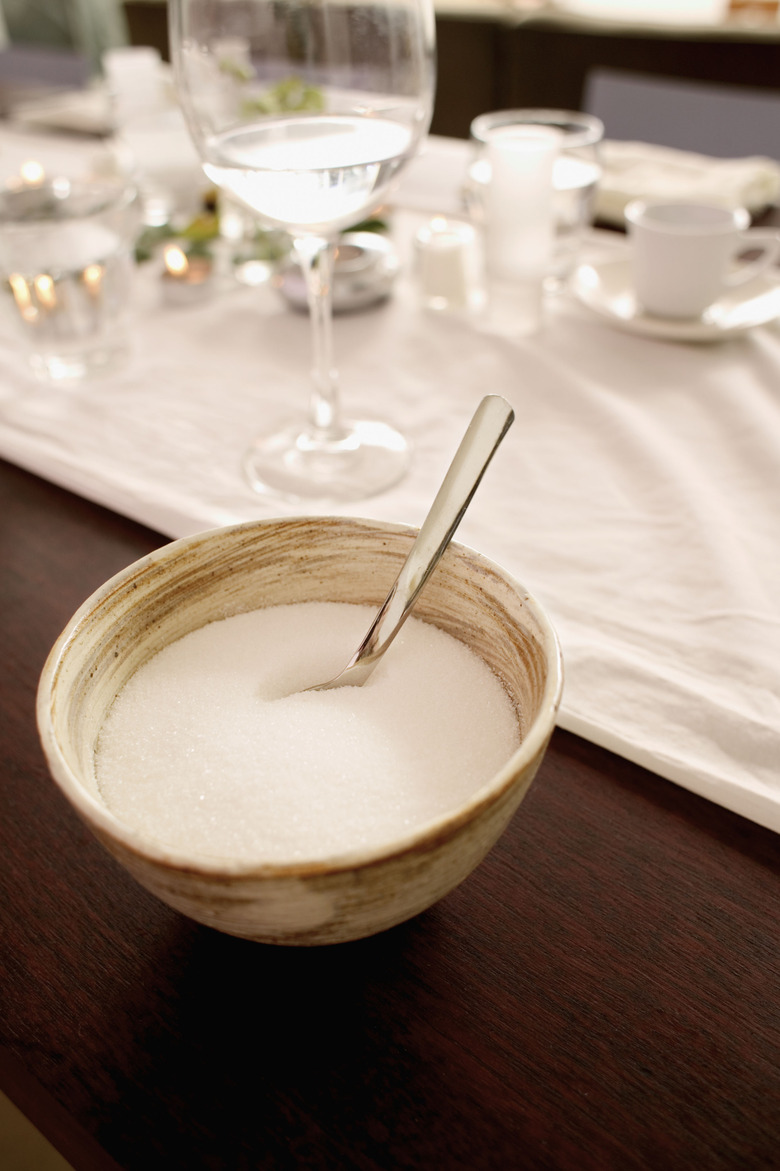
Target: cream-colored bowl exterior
{"points": [[228, 571]]}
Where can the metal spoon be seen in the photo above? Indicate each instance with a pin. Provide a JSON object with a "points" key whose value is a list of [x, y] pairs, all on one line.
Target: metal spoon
{"points": [[492, 419]]}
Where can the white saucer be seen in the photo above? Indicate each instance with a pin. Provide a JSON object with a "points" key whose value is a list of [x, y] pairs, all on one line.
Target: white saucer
{"points": [[604, 286]]}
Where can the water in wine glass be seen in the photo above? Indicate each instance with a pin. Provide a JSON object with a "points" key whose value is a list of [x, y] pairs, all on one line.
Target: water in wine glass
{"points": [[305, 111], [309, 173]]}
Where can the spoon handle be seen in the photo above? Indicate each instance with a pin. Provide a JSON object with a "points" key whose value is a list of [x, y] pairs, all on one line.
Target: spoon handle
{"points": [[490, 423]]}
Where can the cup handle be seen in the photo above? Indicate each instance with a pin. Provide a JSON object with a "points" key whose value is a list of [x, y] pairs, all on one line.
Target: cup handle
{"points": [[768, 242]]}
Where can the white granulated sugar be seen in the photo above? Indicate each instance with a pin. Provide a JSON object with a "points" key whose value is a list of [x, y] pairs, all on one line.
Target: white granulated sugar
{"points": [[199, 752]]}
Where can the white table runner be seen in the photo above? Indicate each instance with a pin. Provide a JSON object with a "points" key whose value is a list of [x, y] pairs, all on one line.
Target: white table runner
{"points": [[636, 495]]}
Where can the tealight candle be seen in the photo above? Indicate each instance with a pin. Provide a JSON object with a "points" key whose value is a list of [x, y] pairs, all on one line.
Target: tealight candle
{"points": [[448, 265], [186, 280], [27, 188], [365, 265]]}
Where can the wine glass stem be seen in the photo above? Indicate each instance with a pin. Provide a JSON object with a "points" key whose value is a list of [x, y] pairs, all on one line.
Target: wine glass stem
{"points": [[316, 255]]}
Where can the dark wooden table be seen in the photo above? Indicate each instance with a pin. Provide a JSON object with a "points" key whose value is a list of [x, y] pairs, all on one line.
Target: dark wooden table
{"points": [[601, 993]]}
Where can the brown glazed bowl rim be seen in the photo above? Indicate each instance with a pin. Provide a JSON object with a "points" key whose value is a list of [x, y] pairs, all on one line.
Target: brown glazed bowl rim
{"points": [[437, 831]]}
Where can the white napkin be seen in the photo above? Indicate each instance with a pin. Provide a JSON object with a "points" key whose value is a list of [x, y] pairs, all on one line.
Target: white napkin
{"points": [[83, 111], [633, 170]]}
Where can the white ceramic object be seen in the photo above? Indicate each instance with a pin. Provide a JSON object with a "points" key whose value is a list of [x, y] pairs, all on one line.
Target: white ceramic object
{"points": [[605, 287], [651, 12], [191, 582], [684, 255]]}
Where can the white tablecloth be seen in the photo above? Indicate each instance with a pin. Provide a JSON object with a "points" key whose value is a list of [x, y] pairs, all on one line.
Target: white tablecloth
{"points": [[636, 495]]}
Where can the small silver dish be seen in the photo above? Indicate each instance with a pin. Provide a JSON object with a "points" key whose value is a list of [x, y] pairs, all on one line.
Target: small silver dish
{"points": [[365, 266]]}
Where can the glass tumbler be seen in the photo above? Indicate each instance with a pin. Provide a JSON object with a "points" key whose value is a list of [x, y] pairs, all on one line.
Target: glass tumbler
{"points": [[576, 175], [66, 267]]}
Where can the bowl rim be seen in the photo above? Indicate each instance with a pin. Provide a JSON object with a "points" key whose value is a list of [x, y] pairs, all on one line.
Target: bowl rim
{"points": [[107, 825]]}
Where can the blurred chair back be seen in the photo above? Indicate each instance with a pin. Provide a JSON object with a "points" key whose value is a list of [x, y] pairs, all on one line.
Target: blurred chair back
{"points": [[32, 66], [718, 120], [86, 27]]}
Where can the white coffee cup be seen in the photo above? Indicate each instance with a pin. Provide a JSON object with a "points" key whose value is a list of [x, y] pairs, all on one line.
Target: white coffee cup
{"points": [[684, 254]]}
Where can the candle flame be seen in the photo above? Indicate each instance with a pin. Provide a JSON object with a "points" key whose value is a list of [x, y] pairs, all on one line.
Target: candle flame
{"points": [[175, 260], [21, 292], [44, 289], [32, 173], [92, 277]]}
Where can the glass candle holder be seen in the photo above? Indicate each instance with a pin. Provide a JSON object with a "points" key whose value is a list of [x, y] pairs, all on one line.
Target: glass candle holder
{"points": [[576, 175]]}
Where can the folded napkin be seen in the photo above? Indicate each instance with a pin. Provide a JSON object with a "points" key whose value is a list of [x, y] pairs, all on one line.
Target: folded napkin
{"points": [[84, 111], [633, 170]]}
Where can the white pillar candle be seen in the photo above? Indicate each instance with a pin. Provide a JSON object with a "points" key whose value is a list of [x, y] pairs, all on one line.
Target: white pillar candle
{"points": [[519, 200], [519, 226]]}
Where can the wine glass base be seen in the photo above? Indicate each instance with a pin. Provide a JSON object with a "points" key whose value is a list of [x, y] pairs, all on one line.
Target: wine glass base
{"points": [[294, 464]]}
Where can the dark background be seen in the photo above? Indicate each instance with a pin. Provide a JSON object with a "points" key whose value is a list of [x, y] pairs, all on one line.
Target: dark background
{"points": [[484, 64]]}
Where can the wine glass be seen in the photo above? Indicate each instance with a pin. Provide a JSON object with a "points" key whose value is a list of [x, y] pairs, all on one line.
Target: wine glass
{"points": [[305, 111]]}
